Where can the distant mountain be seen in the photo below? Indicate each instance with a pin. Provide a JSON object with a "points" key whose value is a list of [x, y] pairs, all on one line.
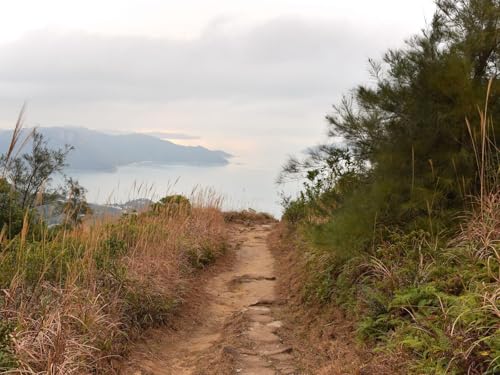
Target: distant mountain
{"points": [[53, 213], [95, 150]]}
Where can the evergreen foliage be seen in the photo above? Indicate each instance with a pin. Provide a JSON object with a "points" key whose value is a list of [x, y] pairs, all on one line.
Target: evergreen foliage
{"points": [[382, 209], [406, 151]]}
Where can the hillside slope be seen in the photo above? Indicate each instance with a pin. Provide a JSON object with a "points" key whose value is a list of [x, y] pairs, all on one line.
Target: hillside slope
{"points": [[95, 150]]}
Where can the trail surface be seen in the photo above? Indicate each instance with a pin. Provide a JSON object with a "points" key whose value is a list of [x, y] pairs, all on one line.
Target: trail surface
{"points": [[237, 332]]}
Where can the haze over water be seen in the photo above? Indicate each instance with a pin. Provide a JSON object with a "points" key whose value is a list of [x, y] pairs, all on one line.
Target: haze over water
{"points": [[241, 184]]}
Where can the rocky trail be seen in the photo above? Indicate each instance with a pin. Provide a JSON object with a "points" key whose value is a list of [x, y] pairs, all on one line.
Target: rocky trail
{"points": [[237, 332]]}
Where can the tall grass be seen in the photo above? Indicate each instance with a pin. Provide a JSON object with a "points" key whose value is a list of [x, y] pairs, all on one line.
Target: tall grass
{"points": [[486, 151], [72, 299], [15, 139]]}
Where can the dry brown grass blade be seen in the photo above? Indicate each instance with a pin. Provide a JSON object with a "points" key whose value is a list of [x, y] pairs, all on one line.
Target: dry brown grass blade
{"points": [[14, 142], [16, 133]]}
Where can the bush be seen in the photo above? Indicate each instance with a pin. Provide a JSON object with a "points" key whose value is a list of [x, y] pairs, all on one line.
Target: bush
{"points": [[173, 204], [11, 213]]}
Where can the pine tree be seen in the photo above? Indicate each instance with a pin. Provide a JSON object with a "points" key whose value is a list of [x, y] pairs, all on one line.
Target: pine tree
{"points": [[407, 133]]}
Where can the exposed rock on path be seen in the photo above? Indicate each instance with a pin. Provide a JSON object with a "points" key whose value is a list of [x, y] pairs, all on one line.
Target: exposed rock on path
{"points": [[237, 332]]}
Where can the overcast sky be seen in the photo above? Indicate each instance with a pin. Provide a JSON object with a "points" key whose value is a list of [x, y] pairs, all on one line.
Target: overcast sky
{"points": [[250, 77]]}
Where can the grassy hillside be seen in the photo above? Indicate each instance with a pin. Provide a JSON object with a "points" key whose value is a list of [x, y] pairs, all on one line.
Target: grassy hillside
{"points": [[432, 301], [72, 299], [400, 225]]}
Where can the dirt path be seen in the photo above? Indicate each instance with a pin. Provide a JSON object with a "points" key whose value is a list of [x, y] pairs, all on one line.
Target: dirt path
{"points": [[237, 333]]}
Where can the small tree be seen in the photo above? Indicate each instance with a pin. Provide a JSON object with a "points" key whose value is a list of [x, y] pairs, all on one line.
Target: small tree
{"points": [[76, 205], [30, 172], [11, 214]]}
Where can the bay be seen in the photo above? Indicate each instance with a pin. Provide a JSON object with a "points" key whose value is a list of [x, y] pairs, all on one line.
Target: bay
{"points": [[241, 186]]}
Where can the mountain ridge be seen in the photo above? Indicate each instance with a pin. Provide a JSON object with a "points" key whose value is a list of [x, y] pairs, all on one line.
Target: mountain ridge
{"points": [[99, 151]]}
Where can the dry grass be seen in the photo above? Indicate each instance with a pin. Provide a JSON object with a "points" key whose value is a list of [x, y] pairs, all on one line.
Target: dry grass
{"points": [[74, 299], [323, 337], [482, 229]]}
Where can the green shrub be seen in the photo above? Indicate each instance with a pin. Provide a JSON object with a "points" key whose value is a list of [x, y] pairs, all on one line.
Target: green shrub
{"points": [[11, 212], [294, 211], [173, 204], [201, 255], [7, 359], [146, 308]]}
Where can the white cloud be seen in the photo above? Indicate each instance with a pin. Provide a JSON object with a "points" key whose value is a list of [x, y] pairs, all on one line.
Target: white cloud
{"points": [[188, 18], [278, 59], [262, 81]]}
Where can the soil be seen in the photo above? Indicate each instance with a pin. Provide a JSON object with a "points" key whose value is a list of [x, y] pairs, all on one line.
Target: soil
{"points": [[235, 329]]}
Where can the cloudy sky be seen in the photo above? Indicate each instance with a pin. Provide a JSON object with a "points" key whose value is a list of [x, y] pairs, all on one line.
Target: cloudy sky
{"points": [[254, 78]]}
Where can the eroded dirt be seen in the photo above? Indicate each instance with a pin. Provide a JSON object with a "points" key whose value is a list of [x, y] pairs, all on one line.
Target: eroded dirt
{"points": [[237, 332]]}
